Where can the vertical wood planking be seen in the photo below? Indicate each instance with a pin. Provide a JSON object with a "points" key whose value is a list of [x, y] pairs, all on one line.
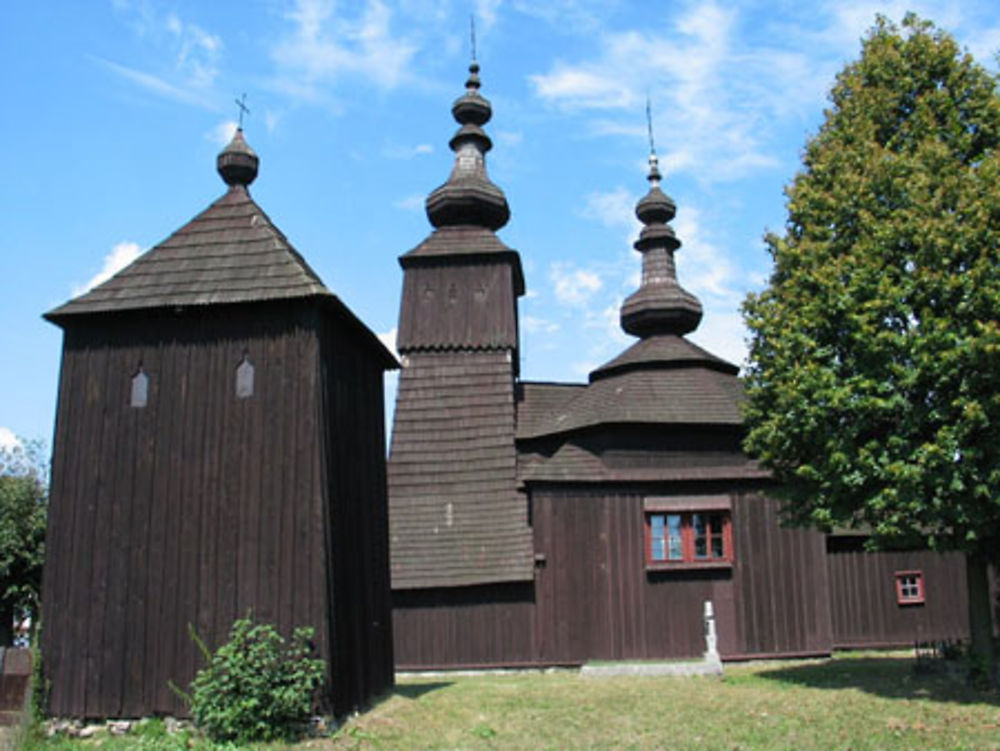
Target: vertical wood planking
{"points": [[197, 505]]}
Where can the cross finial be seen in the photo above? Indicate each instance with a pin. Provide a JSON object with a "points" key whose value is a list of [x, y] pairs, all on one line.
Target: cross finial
{"points": [[242, 104], [472, 34], [649, 126]]}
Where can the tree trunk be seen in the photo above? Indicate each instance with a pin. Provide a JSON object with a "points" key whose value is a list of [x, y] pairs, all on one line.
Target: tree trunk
{"points": [[6, 623], [983, 644]]}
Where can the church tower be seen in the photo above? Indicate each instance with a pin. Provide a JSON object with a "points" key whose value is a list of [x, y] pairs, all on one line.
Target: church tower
{"points": [[456, 517], [219, 450]]}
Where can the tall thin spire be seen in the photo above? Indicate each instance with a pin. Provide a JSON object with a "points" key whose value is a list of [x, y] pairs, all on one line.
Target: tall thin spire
{"points": [[472, 35], [649, 126], [660, 305]]}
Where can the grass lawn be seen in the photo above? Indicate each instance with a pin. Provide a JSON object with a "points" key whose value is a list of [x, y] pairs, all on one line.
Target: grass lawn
{"points": [[858, 701]]}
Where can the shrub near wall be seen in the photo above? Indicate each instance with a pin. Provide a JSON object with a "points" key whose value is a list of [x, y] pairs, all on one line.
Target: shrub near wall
{"points": [[257, 686]]}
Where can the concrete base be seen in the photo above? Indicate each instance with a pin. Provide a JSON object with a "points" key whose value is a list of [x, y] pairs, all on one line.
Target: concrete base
{"points": [[691, 667]]}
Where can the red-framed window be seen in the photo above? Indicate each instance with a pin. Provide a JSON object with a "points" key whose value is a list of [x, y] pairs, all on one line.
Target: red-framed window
{"points": [[688, 538], [910, 587]]}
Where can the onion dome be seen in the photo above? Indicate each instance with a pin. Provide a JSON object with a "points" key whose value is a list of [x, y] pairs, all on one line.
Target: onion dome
{"points": [[660, 305], [469, 197], [237, 163]]}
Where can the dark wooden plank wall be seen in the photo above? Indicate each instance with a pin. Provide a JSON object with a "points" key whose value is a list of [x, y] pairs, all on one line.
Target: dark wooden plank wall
{"points": [[781, 584], [489, 625], [596, 600], [195, 509], [361, 664], [863, 595]]}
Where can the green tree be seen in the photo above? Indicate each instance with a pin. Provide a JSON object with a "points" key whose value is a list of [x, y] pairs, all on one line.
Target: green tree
{"points": [[874, 378], [23, 508]]}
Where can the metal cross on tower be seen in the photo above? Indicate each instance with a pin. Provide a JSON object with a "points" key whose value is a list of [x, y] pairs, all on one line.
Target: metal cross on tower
{"points": [[244, 110]]}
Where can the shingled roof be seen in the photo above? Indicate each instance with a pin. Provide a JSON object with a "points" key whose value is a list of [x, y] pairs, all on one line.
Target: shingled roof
{"points": [[662, 379], [572, 463], [229, 253], [677, 396]]}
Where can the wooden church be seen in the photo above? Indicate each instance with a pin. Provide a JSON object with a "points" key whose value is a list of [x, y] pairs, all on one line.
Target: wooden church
{"points": [[555, 523], [219, 450]]}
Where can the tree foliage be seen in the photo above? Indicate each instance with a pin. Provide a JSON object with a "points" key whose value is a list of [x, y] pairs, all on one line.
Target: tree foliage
{"points": [[23, 508], [874, 379]]}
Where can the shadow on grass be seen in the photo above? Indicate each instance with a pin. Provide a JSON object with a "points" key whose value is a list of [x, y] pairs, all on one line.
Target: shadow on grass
{"points": [[888, 677], [416, 690]]}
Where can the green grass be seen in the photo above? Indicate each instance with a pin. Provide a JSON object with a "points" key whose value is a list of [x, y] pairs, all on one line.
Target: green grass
{"points": [[858, 701]]}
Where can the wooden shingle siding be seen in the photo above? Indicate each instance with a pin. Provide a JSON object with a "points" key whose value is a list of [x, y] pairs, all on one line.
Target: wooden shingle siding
{"points": [[455, 517], [863, 595], [455, 306], [466, 242]]}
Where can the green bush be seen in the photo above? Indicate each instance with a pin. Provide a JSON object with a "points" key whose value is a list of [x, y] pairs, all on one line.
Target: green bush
{"points": [[257, 686]]}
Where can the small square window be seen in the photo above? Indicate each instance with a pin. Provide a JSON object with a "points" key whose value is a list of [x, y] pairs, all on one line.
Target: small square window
{"points": [[910, 587]]}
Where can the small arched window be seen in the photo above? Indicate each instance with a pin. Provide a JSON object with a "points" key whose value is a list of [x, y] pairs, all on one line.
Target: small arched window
{"points": [[140, 388], [244, 378]]}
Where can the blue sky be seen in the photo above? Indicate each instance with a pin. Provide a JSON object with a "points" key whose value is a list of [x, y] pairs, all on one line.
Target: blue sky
{"points": [[114, 111]]}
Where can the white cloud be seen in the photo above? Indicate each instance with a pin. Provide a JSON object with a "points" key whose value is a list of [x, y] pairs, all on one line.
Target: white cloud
{"points": [[573, 286], [222, 133], [509, 137], [577, 88], [158, 86], [121, 255], [714, 92], [325, 45], [388, 339], [396, 151], [271, 120], [197, 52], [410, 203], [190, 55], [701, 267], [614, 208], [723, 334], [535, 325], [8, 440], [486, 13]]}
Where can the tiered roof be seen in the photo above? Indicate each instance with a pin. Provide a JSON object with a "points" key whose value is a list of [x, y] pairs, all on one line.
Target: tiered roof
{"points": [[663, 379], [455, 516]]}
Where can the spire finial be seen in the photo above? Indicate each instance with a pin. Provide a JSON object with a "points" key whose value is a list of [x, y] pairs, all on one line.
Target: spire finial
{"points": [[244, 110], [649, 125], [472, 34], [654, 162]]}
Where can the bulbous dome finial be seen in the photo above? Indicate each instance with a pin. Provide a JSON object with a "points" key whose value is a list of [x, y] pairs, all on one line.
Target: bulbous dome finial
{"points": [[660, 305], [469, 197], [238, 163]]}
